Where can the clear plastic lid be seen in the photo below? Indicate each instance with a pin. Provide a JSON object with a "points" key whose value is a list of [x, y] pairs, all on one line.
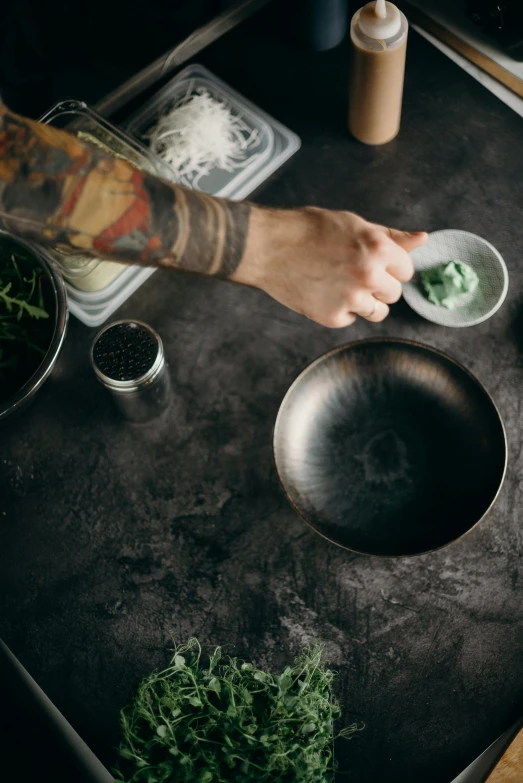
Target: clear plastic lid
{"points": [[77, 117]]}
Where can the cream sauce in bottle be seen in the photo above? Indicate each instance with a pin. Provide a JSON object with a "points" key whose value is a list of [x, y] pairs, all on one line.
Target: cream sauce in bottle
{"points": [[378, 48]]}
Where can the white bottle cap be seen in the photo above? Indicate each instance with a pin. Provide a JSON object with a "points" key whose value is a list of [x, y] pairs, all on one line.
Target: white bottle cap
{"points": [[380, 19]]}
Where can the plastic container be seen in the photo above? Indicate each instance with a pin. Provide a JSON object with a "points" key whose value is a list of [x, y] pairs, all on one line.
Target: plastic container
{"points": [[94, 308], [84, 273], [285, 144], [218, 182]]}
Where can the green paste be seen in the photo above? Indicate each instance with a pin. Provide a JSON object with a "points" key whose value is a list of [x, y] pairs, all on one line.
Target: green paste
{"points": [[449, 285]]}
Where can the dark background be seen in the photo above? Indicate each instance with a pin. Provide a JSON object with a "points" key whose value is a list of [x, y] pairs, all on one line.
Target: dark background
{"points": [[51, 50], [114, 537]]}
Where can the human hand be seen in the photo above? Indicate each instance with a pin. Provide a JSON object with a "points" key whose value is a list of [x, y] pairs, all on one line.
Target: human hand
{"points": [[330, 266]]}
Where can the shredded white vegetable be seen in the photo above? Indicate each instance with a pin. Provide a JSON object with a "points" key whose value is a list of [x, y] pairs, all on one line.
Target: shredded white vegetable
{"points": [[201, 133]]}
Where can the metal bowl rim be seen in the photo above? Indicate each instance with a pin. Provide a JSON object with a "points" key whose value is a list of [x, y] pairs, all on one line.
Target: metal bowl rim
{"points": [[32, 385], [394, 341]]}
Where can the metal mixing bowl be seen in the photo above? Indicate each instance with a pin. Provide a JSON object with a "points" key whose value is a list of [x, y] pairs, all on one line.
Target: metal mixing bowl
{"points": [[388, 447], [27, 392]]}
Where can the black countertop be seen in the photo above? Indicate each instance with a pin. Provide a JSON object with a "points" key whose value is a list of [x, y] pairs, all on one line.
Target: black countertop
{"points": [[113, 537]]}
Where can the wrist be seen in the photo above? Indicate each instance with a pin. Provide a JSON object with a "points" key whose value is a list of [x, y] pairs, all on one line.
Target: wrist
{"points": [[271, 236]]}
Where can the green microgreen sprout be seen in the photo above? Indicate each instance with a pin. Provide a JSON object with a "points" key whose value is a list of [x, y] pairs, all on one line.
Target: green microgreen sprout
{"points": [[227, 720], [23, 342]]}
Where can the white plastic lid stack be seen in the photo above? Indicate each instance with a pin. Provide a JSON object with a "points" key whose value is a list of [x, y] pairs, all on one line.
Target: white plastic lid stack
{"points": [[380, 20]]}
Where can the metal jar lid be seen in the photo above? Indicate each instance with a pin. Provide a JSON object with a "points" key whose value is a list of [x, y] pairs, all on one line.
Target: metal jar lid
{"points": [[127, 356]]}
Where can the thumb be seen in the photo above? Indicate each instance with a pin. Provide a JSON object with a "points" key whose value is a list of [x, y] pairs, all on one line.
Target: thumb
{"points": [[408, 240]]}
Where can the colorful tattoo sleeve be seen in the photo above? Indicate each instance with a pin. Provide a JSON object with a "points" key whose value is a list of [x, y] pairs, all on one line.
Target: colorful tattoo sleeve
{"points": [[57, 190]]}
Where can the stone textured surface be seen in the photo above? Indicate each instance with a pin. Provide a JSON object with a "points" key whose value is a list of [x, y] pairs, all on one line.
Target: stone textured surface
{"points": [[113, 537]]}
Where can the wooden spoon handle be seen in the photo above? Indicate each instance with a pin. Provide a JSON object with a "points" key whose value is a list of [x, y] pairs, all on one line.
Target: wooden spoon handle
{"points": [[509, 768]]}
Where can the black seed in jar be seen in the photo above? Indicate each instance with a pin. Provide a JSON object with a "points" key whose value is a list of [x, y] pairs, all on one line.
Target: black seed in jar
{"points": [[125, 352]]}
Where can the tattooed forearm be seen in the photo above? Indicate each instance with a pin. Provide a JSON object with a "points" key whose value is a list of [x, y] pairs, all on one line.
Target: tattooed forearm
{"points": [[57, 190]]}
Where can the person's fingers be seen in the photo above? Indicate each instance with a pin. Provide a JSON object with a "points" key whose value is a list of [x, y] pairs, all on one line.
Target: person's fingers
{"points": [[389, 291], [371, 309], [350, 319], [337, 320], [400, 265], [381, 311], [406, 239]]}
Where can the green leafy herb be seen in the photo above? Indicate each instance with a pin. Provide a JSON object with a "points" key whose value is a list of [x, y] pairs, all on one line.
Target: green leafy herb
{"points": [[226, 721], [23, 340]]}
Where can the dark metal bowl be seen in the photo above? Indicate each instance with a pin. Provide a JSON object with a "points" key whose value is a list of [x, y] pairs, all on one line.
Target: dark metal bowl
{"points": [[388, 447], [26, 393]]}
